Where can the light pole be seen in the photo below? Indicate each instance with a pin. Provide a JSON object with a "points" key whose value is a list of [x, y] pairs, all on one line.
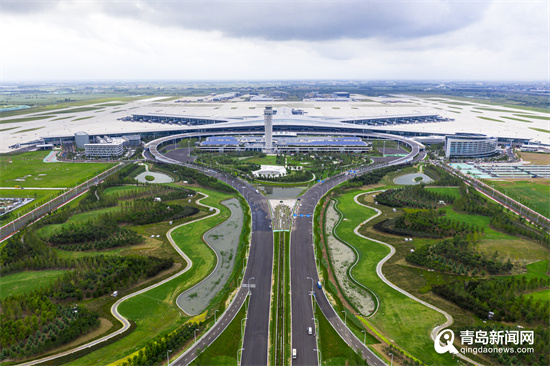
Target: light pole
{"points": [[240, 349], [391, 354], [316, 322], [318, 354], [345, 318], [364, 337], [195, 333], [251, 278], [242, 331], [168, 356], [311, 284], [215, 317]]}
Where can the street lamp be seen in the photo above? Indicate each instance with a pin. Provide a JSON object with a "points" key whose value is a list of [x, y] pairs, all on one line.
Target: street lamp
{"points": [[240, 349], [391, 354], [311, 284], [251, 278], [215, 317], [319, 355], [195, 333], [364, 337], [168, 356], [316, 322], [345, 318]]}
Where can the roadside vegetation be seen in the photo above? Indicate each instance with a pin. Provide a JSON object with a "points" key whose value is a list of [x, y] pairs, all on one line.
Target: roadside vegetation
{"points": [[109, 218], [463, 256]]}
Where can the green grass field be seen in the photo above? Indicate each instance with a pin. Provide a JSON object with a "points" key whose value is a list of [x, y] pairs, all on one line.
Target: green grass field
{"points": [[23, 282], [223, 351], [403, 320], [543, 295], [268, 160], [155, 311], [535, 192], [40, 174]]}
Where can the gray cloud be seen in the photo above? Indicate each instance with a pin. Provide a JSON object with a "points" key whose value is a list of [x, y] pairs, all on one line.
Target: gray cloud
{"points": [[292, 20], [308, 20]]}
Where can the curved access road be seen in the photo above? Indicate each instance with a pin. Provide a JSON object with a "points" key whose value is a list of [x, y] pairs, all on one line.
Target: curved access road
{"points": [[114, 309], [448, 317]]}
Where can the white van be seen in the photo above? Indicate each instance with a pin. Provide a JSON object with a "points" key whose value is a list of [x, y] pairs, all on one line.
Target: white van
{"points": [[294, 354]]}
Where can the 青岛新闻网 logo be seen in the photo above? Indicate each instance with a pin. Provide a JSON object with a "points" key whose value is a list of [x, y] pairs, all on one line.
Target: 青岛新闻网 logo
{"points": [[448, 339]]}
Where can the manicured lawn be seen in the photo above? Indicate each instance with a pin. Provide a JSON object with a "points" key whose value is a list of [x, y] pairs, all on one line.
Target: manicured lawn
{"points": [[268, 160], [30, 164], [122, 190], [223, 351], [399, 318], [508, 246], [23, 282], [155, 312]]}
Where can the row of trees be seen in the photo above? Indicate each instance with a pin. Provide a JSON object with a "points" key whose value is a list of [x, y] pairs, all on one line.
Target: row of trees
{"points": [[441, 177], [472, 202], [194, 176], [372, 177], [413, 196], [147, 211], [458, 256], [427, 224], [156, 348], [44, 328], [503, 296]]}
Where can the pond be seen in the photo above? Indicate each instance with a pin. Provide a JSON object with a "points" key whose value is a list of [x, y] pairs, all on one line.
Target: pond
{"points": [[159, 178], [409, 179], [281, 192]]}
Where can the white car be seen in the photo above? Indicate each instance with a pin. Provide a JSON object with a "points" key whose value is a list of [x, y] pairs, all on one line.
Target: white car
{"points": [[309, 330]]}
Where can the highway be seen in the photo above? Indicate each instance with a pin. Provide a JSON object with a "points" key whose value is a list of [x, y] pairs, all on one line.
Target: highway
{"points": [[260, 264]]}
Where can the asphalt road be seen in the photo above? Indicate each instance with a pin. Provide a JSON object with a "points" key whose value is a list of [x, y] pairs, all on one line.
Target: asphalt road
{"points": [[259, 273]]}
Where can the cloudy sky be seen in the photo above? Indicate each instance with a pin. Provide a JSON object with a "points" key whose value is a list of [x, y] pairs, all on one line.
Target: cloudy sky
{"points": [[274, 39]]}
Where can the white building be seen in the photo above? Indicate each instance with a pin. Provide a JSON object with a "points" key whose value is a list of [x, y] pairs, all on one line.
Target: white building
{"points": [[106, 147], [270, 171]]}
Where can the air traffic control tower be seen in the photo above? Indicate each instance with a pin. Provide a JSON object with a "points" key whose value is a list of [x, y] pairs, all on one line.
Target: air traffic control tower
{"points": [[268, 120]]}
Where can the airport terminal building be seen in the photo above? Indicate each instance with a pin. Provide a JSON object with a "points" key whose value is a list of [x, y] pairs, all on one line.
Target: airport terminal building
{"points": [[285, 144], [470, 145]]}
